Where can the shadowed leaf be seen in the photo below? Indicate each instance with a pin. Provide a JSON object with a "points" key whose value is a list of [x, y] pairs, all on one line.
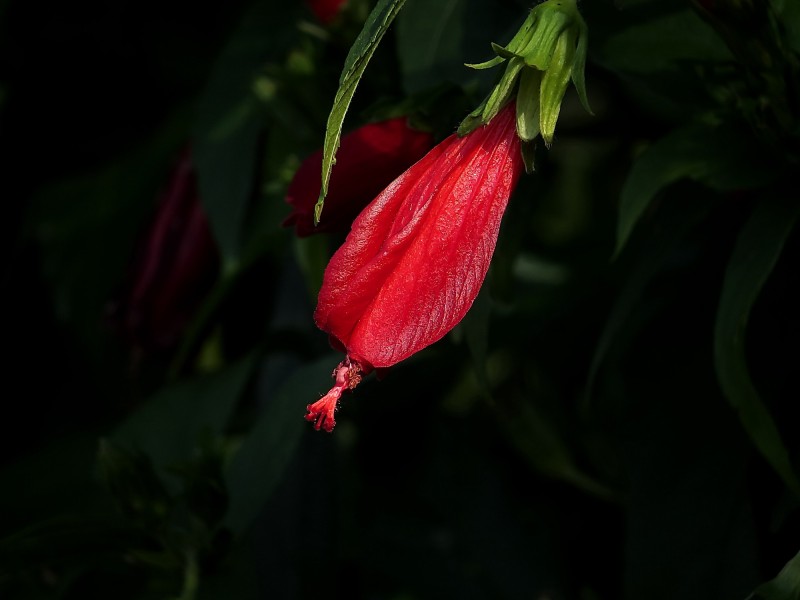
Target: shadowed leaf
{"points": [[757, 250]]}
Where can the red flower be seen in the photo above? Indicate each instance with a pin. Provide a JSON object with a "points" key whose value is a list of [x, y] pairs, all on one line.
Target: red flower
{"points": [[368, 159], [326, 10], [416, 257]]}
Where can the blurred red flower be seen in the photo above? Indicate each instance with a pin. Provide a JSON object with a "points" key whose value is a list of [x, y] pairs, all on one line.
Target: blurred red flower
{"points": [[368, 159], [176, 264], [326, 10]]}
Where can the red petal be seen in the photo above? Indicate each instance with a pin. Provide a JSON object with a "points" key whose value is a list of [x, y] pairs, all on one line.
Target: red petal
{"points": [[416, 257]]}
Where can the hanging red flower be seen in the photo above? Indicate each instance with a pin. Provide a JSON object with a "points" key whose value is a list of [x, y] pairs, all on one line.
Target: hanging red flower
{"points": [[368, 159], [416, 257]]}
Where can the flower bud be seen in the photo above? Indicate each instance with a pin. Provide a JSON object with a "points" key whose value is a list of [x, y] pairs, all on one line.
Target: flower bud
{"points": [[416, 257], [368, 159]]}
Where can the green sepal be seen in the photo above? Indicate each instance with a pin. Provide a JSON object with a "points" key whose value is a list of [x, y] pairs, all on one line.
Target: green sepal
{"points": [[579, 65], [539, 50], [487, 64], [554, 85], [472, 121], [523, 36], [504, 53], [528, 104], [520, 39], [528, 149], [503, 91]]}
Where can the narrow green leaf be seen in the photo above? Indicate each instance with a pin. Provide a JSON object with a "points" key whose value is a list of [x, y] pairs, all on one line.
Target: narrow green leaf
{"points": [[226, 161], [757, 250], [786, 586], [172, 422], [723, 158], [259, 464], [357, 59]]}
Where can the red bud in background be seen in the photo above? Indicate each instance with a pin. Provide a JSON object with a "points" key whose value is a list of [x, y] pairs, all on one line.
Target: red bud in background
{"points": [[416, 257], [176, 265], [368, 159], [326, 10]]}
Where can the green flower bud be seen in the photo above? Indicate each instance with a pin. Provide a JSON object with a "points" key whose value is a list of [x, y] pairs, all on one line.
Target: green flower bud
{"points": [[546, 53]]}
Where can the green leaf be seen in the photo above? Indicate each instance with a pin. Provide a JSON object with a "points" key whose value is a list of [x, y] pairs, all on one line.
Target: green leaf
{"points": [[789, 15], [357, 59], [578, 68], [228, 124], [434, 37], [541, 444], [312, 254], [171, 423], [662, 42], [786, 586], [757, 250], [259, 464], [225, 157], [676, 217], [723, 158]]}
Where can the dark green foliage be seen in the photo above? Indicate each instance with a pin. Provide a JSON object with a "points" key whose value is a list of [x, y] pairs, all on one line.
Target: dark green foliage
{"points": [[616, 417]]}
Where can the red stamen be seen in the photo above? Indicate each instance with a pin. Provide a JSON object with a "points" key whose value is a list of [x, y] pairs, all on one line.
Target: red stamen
{"points": [[347, 376]]}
